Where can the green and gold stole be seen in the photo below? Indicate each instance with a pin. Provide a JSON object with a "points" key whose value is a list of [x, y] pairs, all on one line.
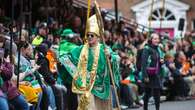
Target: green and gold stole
{"points": [[80, 83]]}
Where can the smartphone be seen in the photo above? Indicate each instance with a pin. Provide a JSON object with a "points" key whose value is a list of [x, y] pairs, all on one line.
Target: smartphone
{"points": [[1, 53]]}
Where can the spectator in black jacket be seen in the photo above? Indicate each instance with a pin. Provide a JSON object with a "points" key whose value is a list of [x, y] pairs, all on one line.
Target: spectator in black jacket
{"points": [[48, 98], [55, 92], [150, 70]]}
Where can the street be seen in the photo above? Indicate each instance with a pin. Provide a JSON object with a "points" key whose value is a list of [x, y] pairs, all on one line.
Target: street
{"points": [[174, 105]]}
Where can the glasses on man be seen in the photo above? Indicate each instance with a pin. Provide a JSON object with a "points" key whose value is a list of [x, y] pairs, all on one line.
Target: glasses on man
{"points": [[90, 35]]}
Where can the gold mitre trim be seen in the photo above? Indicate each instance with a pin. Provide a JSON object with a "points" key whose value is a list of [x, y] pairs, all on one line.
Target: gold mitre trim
{"points": [[92, 25]]}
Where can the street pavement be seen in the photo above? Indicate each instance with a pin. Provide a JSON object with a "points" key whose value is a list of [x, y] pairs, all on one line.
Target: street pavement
{"points": [[173, 105]]}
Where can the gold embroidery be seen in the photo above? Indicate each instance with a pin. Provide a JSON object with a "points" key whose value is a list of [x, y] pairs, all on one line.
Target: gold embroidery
{"points": [[85, 88]]}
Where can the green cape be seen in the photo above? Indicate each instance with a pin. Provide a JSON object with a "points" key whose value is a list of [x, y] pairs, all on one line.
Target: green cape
{"points": [[66, 47], [101, 87]]}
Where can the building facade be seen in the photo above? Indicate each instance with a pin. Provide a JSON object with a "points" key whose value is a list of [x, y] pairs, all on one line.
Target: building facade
{"points": [[175, 17]]}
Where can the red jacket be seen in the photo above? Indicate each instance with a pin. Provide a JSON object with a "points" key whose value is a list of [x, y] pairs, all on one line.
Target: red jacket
{"points": [[8, 87]]}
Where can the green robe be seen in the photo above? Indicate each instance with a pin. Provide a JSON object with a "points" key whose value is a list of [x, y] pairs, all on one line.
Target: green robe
{"points": [[101, 86], [66, 47]]}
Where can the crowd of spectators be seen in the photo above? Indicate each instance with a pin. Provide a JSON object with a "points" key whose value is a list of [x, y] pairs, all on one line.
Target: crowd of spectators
{"points": [[177, 61]]}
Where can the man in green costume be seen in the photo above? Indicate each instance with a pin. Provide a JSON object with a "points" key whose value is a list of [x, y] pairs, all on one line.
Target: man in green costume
{"points": [[67, 42], [89, 71]]}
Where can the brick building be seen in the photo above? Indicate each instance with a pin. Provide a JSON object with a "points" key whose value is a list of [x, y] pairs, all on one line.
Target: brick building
{"points": [[175, 11], [190, 14]]}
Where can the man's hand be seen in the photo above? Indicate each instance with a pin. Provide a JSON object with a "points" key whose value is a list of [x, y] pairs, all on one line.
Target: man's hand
{"points": [[139, 81], [172, 66], [107, 53]]}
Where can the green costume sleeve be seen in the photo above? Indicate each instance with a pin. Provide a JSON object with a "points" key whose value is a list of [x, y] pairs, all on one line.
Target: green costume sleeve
{"points": [[69, 62], [115, 61], [66, 47], [101, 87]]}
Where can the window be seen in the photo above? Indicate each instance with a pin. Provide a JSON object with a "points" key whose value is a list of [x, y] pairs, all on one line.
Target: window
{"points": [[161, 14]]}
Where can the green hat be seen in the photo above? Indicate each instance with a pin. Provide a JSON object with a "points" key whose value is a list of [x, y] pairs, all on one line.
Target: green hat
{"points": [[68, 33]]}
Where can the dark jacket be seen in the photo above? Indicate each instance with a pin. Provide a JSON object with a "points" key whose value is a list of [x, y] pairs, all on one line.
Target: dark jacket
{"points": [[45, 71], [8, 87], [153, 53], [174, 72]]}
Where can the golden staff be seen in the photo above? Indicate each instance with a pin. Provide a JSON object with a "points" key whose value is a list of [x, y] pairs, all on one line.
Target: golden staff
{"points": [[163, 12], [150, 17], [101, 26], [88, 14]]}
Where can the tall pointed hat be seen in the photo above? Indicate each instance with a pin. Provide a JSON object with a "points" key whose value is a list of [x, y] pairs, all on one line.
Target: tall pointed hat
{"points": [[92, 25]]}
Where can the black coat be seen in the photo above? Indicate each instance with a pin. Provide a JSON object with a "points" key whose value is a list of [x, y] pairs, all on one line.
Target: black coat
{"points": [[45, 71], [154, 80]]}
